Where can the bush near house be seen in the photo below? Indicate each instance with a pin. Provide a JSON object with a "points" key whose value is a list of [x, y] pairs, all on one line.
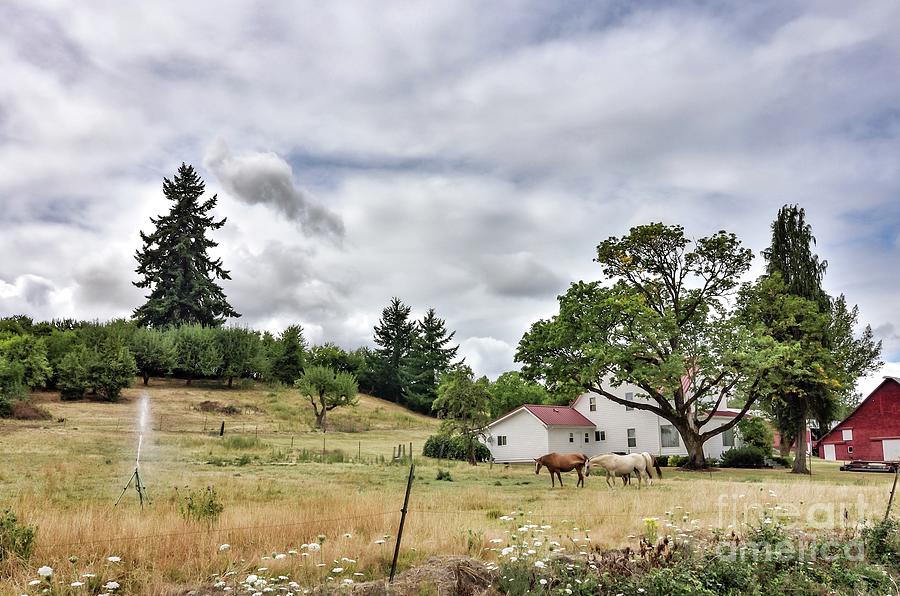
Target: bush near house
{"points": [[748, 456], [443, 446]]}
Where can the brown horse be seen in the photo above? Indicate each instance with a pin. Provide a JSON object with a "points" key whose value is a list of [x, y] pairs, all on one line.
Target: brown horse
{"points": [[557, 463]]}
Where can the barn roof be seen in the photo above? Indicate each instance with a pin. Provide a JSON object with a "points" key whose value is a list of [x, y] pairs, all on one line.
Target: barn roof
{"points": [[856, 409], [551, 415]]}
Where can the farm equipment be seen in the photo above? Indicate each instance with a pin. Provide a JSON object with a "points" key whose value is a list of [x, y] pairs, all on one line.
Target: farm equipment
{"points": [[858, 465]]}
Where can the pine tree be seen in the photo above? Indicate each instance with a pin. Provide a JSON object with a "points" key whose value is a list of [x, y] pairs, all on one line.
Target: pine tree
{"points": [[289, 356], [430, 356], [394, 335], [830, 351], [174, 263]]}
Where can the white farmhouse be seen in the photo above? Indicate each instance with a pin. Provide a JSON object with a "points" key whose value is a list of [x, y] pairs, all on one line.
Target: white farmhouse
{"points": [[593, 425]]}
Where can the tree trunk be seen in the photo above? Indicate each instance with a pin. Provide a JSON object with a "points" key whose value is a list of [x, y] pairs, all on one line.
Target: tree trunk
{"points": [[146, 378], [189, 381], [320, 419], [472, 452], [784, 447], [800, 466], [694, 447], [229, 382]]}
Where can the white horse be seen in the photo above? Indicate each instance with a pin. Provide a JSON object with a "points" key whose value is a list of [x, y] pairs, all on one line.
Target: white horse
{"points": [[622, 465]]}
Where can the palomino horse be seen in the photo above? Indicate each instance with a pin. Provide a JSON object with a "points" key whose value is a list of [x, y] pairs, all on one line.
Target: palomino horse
{"points": [[557, 463], [622, 465]]}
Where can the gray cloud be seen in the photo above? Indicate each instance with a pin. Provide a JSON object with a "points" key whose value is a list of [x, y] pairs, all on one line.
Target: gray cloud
{"points": [[463, 155], [266, 179]]}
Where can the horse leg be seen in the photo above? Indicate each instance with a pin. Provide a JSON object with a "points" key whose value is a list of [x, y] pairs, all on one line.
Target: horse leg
{"points": [[558, 475], [608, 483], [580, 478]]}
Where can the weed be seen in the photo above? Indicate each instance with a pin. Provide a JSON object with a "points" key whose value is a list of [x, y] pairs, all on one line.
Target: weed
{"points": [[16, 539]]}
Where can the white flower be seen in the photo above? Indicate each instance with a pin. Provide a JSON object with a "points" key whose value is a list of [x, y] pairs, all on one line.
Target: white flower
{"points": [[45, 571], [88, 575], [337, 570], [280, 556], [111, 586], [76, 584], [543, 582], [224, 547], [496, 540], [641, 590], [113, 559], [348, 535], [539, 564], [347, 581], [292, 552], [379, 541], [250, 579], [34, 582], [314, 547]]}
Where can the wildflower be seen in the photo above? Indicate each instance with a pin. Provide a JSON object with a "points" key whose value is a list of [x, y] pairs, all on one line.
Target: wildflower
{"points": [[223, 547], [358, 574], [76, 584], [34, 582], [314, 547], [320, 564], [280, 556], [305, 554], [251, 579], [292, 552], [111, 586], [45, 571], [348, 535], [379, 541], [337, 570], [347, 581], [543, 582], [496, 540], [539, 564], [113, 559]]}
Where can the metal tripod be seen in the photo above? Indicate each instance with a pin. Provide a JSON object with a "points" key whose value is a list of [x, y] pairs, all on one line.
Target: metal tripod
{"points": [[138, 486]]}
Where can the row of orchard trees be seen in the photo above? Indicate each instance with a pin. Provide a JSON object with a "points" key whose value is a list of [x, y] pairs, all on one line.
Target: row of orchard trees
{"points": [[101, 359]]}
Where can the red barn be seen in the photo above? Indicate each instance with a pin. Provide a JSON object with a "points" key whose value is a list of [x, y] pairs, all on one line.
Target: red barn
{"points": [[871, 432]]}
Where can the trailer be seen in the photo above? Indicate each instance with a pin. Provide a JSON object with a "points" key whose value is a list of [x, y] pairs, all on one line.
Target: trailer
{"points": [[859, 465]]}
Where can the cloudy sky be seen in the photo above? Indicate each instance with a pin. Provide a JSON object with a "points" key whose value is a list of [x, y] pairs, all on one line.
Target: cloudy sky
{"points": [[463, 155]]}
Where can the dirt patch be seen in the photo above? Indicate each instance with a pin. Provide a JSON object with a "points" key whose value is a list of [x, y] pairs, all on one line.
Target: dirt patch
{"points": [[442, 576], [217, 408], [25, 410]]}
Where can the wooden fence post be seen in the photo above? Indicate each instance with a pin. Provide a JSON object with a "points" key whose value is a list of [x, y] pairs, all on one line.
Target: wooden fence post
{"points": [[410, 452], [412, 469], [222, 429], [887, 511]]}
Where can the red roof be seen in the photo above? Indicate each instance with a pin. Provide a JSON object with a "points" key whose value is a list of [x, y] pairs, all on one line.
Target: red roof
{"points": [[559, 415]]}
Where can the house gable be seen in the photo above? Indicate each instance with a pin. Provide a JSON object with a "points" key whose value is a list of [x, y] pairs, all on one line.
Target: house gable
{"points": [[874, 420]]}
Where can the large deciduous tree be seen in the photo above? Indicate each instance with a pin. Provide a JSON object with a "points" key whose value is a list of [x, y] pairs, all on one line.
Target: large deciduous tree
{"points": [[429, 357], [665, 322], [174, 263], [817, 381], [326, 390], [464, 405], [394, 335]]}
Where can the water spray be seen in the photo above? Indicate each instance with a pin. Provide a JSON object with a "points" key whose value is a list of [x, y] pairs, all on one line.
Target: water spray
{"points": [[135, 477]]}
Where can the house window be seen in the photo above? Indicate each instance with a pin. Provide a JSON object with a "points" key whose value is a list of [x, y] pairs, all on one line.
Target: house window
{"points": [[501, 440], [629, 397], [632, 438], [847, 434], [668, 436], [571, 437], [593, 404], [728, 438], [599, 435], [587, 437]]}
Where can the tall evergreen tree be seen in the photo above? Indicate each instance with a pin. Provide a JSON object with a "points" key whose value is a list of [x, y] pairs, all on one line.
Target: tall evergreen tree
{"points": [[174, 262], [817, 381], [288, 356], [430, 357], [394, 335]]}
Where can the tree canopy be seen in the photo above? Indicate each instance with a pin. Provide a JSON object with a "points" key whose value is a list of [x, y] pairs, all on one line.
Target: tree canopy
{"points": [[326, 390], [174, 263], [664, 320]]}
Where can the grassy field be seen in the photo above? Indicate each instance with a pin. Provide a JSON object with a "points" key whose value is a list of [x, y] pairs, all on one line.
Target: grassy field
{"points": [[64, 476]]}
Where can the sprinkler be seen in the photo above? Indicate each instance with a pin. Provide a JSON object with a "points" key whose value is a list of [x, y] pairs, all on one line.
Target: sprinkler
{"points": [[136, 475]]}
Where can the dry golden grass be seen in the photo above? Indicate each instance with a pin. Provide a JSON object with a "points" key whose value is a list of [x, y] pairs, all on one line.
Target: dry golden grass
{"points": [[65, 477]]}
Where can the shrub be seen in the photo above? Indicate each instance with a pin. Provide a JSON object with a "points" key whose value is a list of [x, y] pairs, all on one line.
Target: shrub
{"points": [[747, 456], [25, 410], [784, 461], [883, 542], [756, 432], [201, 506], [662, 460], [676, 461], [105, 371], [72, 376], [16, 539], [444, 446], [444, 475], [5, 406]]}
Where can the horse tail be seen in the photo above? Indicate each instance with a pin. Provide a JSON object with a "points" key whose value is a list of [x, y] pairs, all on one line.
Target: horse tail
{"points": [[656, 465]]}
